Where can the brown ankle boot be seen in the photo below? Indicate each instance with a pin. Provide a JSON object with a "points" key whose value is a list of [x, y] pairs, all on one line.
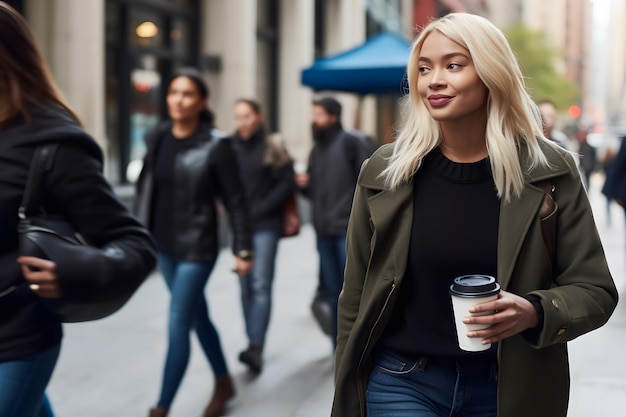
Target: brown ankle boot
{"points": [[158, 412], [224, 391]]}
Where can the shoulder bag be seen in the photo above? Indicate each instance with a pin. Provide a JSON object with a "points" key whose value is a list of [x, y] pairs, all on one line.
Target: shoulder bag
{"points": [[291, 217], [52, 237]]}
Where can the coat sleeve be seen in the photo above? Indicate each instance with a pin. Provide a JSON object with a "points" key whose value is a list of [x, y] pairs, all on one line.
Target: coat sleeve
{"points": [[275, 199], [584, 295], [226, 175], [124, 252], [358, 240]]}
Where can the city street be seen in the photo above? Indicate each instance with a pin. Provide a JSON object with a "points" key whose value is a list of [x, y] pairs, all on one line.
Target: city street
{"points": [[113, 367]]}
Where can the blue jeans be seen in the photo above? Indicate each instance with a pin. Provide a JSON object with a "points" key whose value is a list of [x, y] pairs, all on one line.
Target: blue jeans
{"points": [[431, 387], [332, 252], [188, 310], [256, 287], [23, 382]]}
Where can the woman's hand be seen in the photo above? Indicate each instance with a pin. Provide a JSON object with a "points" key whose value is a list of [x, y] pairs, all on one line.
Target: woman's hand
{"points": [[41, 275], [302, 180], [513, 314], [242, 267]]}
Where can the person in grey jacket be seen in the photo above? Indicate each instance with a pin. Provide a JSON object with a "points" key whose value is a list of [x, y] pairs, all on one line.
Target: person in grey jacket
{"points": [[186, 168], [329, 183]]}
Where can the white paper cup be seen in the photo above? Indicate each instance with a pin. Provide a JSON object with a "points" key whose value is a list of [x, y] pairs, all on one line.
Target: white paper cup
{"points": [[467, 291], [300, 167]]}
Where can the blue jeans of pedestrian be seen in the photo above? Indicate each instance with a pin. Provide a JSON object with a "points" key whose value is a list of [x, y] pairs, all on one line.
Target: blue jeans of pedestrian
{"points": [[188, 310], [23, 382], [431, 387], [332, 252], [256, 287]]}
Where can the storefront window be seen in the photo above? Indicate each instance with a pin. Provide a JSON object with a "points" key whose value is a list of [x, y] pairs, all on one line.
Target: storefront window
{"points": [[180, 36], [145, 108], [146, 28], [145, 42], [383, 15]]}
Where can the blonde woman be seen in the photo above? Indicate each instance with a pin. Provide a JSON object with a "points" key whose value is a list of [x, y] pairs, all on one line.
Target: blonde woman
{"points": [[457, 194]]}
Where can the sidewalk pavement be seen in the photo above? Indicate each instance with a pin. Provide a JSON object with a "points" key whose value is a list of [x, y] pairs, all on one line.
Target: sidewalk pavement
{"points": [[113, 367], [598, 369]]}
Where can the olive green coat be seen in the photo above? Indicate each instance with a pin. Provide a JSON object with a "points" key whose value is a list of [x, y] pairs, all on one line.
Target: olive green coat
{"points": [[577, 292]]}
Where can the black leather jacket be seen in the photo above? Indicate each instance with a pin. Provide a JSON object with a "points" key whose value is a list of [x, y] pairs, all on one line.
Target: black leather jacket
{"points": [[204, 170]]}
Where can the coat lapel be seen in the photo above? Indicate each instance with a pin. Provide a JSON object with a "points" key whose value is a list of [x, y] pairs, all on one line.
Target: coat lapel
{"points": [[515, 220], [391, 212], [392, 217]]}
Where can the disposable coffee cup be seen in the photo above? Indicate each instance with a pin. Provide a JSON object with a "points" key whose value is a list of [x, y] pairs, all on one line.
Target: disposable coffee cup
{"points": [[300, 167], [467, 291]]}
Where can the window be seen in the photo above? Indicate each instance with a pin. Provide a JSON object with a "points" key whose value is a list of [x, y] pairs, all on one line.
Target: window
{"points": [[267, 60], [382, 16], [145, 43]]}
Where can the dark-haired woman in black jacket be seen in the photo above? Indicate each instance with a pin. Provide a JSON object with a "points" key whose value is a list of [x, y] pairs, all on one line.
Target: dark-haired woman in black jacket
{"points": [[268, 179], [186, 169], [32, 113]]}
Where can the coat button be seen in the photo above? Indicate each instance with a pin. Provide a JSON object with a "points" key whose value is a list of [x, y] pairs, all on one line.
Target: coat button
{"points": [[555, 303], [561, 331]]}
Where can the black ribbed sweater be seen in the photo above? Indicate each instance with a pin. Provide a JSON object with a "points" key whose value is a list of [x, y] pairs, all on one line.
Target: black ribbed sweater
{"points": [[454, 232]]}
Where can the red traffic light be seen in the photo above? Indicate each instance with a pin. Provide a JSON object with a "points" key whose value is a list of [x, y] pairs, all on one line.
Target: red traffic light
{"points": [[573, 111]]}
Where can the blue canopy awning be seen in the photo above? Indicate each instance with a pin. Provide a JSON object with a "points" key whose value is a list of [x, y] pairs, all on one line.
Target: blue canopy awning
{"points": [[376, 67]]}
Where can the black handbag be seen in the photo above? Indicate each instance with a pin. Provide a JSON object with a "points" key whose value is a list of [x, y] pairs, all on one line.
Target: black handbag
{"points": [[52, 237]]}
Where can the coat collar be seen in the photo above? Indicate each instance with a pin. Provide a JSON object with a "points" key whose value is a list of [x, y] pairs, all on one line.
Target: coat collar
{"points": [[516, 217]]}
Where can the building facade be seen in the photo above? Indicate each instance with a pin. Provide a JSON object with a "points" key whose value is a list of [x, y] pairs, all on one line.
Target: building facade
{"points": [[616, 103], [112, 60]]}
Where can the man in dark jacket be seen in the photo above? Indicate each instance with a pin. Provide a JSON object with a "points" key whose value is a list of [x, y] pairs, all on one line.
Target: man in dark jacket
{"points": [[330, 181], [588, 156], [615, 183]]}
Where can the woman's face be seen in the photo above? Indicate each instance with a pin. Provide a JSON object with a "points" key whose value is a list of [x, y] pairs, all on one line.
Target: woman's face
{"points": [[247, 120], [184, 101], [448, 83]]}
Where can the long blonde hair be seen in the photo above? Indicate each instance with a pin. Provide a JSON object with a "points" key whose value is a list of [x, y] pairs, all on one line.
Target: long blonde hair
{"points": [[513, 118]]}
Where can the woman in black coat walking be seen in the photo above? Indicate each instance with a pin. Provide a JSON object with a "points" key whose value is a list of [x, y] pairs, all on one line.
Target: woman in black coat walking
{"points": [[32, 113], [188, 166], [268, 180]]}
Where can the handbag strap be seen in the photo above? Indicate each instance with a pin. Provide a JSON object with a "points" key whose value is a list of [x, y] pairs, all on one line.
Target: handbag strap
{"points": [[549, 240], [41, 162]]}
